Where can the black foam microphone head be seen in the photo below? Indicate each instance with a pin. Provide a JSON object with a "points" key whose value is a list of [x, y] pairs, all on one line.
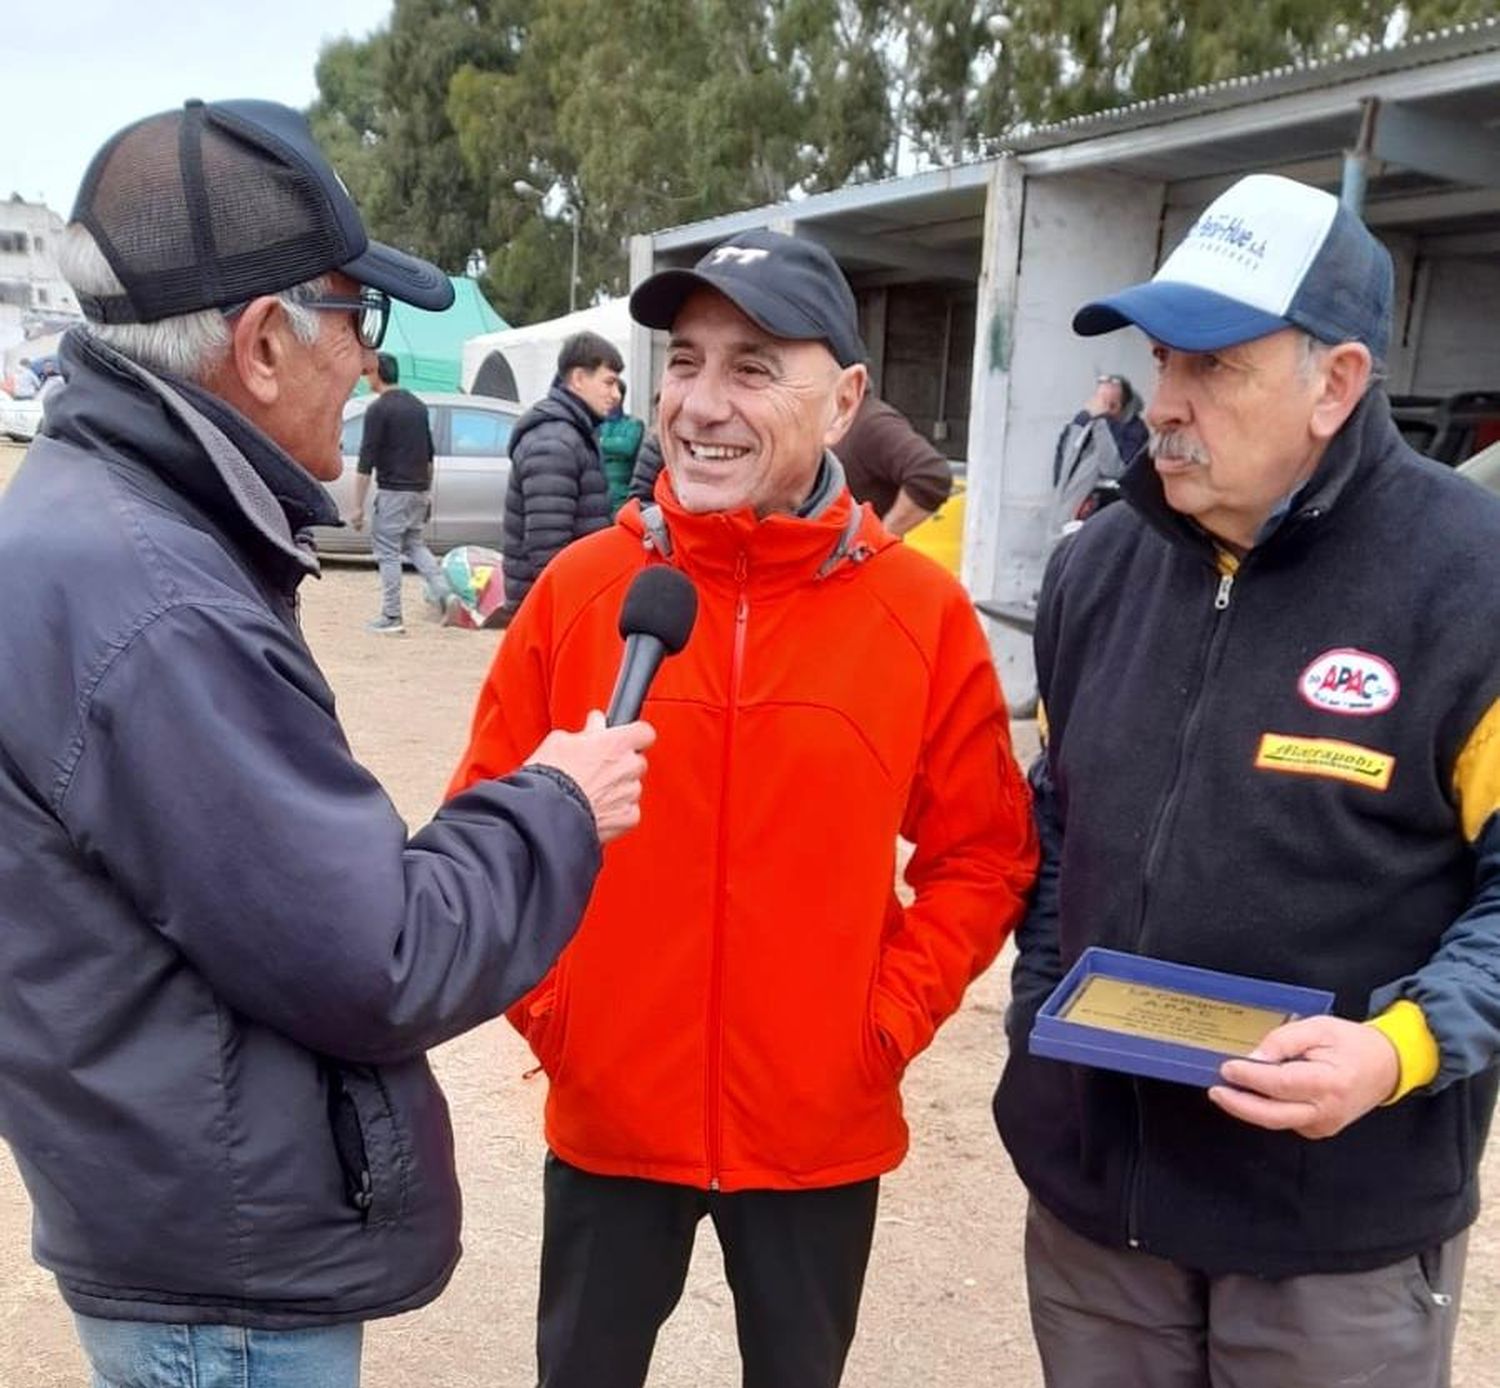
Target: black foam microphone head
{"points": [[663, 603]]}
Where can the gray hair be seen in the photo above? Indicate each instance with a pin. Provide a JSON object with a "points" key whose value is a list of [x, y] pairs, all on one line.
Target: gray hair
{"points": [[190, 345], [1315, 349]]}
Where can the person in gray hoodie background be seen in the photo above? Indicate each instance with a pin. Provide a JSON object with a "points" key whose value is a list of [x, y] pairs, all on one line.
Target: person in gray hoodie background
{"points": [[222, 957]]}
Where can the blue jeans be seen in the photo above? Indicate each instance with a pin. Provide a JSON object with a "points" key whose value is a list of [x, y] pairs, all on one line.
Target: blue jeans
{"points": [[144, 1354]]}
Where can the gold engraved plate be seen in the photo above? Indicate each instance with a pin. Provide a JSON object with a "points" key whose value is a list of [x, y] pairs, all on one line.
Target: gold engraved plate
{"points": [[1166, 1014]]}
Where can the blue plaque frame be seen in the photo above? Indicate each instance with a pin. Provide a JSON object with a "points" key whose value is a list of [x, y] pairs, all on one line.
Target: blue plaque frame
{"points": [[1056, 1038]]}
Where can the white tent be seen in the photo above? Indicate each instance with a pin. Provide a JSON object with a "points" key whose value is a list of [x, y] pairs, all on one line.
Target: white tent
{"points": [[519, 363]]}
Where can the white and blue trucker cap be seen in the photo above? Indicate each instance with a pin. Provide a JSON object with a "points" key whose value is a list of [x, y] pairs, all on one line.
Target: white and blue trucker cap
{"points": [[1268, 254]]}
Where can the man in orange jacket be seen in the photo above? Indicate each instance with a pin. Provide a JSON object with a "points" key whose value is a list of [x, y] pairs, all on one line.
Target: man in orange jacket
{"points": [[727, 1032]]}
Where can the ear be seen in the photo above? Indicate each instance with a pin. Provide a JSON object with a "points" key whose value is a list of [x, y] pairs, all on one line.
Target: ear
{"points": [[254, 368], [1345, 376], [848, 392]]}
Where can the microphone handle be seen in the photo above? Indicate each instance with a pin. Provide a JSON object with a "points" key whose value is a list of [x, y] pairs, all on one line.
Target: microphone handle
{"points": [[643, 656]]}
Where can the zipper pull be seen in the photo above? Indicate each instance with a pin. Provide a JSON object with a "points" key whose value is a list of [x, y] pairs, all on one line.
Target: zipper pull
{"points": [[1221, 598]]}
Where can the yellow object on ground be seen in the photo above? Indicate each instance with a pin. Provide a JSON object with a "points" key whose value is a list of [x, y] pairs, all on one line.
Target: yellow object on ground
{"points": [[941, 535]]}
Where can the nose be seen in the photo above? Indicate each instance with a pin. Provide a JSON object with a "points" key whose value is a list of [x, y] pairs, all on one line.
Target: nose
{"points": [[705, 400], [1169, 407]]}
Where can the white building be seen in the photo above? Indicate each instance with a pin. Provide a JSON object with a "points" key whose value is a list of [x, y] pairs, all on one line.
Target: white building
{"points": [[35, 301]]}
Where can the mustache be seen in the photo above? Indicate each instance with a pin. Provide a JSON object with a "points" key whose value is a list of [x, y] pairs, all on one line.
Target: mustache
{"points": [[1178, 445]]}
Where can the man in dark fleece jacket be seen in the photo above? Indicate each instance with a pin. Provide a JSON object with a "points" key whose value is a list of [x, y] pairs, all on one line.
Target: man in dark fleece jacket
{"points": [[222, 957], [557, 489], [1273, 750]]}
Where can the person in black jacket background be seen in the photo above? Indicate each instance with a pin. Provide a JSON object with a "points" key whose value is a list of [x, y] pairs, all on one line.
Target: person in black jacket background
{"points": [[396, 449], [557, 490], [222, 956]]}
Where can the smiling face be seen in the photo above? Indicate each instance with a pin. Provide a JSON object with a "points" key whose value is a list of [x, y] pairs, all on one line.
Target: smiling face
{"points": [[744, 416], [1235, 432]]}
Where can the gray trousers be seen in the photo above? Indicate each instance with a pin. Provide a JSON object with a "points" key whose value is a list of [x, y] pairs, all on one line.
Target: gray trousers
{"points": [[396, 529], [1114, 1318]]}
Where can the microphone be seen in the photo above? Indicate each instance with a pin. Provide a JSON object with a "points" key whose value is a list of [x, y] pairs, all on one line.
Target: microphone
{"points": [[656, 620]]}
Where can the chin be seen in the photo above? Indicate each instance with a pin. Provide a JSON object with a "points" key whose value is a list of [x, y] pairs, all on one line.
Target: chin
{"points": [[325, 469]]}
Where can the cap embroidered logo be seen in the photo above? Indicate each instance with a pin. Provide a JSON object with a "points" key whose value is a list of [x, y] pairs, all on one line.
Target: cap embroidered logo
{"points": [[740, 255]]}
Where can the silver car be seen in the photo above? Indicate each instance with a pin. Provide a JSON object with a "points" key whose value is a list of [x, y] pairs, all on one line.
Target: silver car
{"points": [[471, 437]]}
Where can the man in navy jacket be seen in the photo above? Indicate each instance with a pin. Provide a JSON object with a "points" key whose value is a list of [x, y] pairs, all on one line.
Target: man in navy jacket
{"points": [[221, 956]]}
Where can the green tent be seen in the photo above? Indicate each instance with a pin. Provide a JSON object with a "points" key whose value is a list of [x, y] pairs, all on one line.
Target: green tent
{"points": [[429, 347]]}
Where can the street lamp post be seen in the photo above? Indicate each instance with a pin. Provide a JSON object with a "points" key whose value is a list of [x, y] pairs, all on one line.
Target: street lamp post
{"points": [[573, 277], [575, 215]]}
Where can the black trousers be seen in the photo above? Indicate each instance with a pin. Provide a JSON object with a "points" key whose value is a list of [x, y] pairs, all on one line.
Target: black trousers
{"points": [[615, 1255]]}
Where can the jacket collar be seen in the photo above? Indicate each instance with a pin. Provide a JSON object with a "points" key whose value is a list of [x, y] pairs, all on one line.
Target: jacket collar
{"points": [[1366, 442], [197, 444], [829, 534]]}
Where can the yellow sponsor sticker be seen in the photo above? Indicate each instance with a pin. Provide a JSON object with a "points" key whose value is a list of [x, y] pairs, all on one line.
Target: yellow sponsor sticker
{"points": [[1325, 756]]}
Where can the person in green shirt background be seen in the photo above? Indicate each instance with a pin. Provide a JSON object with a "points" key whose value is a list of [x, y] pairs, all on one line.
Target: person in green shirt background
{"points": [[619, 441]]}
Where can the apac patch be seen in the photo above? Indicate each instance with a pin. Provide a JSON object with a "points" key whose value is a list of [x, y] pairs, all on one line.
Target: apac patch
{"points": [[1349, 681], [1325, 756]]}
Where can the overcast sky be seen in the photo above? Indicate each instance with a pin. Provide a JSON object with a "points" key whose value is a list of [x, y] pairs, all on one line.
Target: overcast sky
{"points": [[71, 76]]}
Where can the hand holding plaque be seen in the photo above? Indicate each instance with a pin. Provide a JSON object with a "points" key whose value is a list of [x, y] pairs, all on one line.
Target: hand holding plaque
{"points": [[1167, 1021], [1326, 1073]]}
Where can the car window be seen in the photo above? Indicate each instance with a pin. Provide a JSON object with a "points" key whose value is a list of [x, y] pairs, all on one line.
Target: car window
{"points": [[354, 431], [478, 433]]}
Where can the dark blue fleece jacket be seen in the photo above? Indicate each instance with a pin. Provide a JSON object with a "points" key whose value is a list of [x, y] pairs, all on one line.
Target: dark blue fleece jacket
{"points": [[1291, 774]]}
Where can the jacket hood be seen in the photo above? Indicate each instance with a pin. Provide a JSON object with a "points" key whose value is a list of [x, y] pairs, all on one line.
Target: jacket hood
{"points": [[1364, 443], [558, 406], [195, 442], [778, 551]]}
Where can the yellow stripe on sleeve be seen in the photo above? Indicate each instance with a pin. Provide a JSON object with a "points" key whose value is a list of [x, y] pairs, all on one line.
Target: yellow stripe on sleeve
{"points": [[1404, 1026], [1476, 774]]}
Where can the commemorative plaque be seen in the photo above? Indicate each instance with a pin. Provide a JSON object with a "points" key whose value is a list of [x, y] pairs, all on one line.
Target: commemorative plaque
{"points": [[1166, 1021]]}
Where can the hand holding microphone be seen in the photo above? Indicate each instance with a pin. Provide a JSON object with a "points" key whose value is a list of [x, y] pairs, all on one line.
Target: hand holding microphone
{"points": [[605, 759], [607, 766]]}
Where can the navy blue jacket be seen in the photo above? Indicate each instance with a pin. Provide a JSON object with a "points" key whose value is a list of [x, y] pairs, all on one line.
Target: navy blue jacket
{"points": [[221, 956], [557, 490], [1293, 774]]}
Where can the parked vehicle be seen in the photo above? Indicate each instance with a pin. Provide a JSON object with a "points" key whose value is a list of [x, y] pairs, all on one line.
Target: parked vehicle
{"points": [[471, 437], [19, 419], [1483, 468], [1448, 428]]}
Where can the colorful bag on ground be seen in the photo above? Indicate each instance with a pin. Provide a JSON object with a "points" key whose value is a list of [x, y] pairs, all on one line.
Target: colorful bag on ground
{"points": [[477, 578]]}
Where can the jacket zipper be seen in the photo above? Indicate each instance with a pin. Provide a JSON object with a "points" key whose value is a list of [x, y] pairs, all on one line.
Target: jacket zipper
{"points": [[1222, 594], [715, 1077]]}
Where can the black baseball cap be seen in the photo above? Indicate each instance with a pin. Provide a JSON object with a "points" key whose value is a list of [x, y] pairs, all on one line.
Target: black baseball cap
{"points": [[223, 201], [790, 286]]}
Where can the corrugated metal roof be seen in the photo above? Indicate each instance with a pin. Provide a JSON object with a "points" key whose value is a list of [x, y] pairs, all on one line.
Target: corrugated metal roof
{"points": [[1439, 45]]}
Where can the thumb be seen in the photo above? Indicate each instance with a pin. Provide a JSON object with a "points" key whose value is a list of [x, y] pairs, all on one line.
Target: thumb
{"points": [[1290, 1041], [594, 723]]}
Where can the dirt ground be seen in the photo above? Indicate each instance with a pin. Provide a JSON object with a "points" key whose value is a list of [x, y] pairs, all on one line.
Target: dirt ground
{"points": [[944, 1303]]}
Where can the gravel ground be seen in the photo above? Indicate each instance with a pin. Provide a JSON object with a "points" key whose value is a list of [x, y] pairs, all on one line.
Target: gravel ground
{"points": [[944, 1301]]}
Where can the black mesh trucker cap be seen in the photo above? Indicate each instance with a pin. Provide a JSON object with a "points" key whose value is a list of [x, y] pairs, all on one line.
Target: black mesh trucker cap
{"points": [[223, 201], [792, 287]]}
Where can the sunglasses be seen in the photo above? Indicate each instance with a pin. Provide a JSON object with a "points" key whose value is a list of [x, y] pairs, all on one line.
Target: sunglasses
{"points": [[371, 309]]}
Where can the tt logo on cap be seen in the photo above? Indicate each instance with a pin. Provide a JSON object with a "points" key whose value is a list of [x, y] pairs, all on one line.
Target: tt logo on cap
{"points": [[741, 255]]}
